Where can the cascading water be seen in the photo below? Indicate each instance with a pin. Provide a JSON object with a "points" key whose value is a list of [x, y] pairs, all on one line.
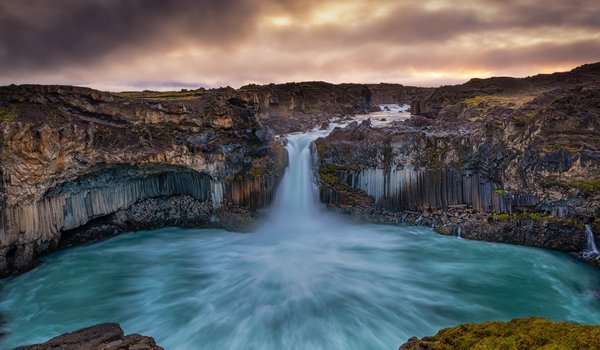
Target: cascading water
{"points": [[306, 280], [590, 249], [296, 202]]}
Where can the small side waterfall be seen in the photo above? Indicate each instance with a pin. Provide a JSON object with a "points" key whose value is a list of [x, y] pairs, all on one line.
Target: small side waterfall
{"points": [[590, 247], [458, 230], [418, 222]]}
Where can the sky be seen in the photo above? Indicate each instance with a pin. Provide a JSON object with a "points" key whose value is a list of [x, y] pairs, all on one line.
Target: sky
{"points": [[121, 45]]}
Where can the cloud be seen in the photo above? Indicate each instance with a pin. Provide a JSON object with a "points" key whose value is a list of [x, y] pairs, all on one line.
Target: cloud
{"points": [[39, 34], [112, 43]]}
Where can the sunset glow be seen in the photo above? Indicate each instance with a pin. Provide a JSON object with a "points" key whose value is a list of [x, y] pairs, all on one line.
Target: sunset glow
{"points": [[137, 44]]}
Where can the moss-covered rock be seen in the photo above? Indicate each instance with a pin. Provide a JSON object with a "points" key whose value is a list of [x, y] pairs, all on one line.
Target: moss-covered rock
{"points": [[518, 334]]}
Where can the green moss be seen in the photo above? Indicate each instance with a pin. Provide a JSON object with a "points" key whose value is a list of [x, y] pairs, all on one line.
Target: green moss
{"points": [[591, 186], [501, 192], [320, 149], [502, 216], [597, 221], [102, 128], [327, 174], [526, 333], [8, 113], [475, 100], [256, 171], [535, 216]]}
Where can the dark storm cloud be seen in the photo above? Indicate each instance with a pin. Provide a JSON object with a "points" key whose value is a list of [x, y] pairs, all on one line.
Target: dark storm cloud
{"points": [[36, 34]]}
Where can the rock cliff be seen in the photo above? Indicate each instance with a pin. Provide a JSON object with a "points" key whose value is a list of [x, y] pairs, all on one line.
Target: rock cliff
{"points": [[500, 159], [79, 164]]}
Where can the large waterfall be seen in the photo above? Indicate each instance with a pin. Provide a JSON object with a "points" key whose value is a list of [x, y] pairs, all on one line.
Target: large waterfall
{"points": [[305, 280], [296, 201]]}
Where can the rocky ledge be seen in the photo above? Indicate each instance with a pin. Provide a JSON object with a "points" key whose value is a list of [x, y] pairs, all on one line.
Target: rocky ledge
{"points": [[106, 336], [500, 159], [526, 333]]}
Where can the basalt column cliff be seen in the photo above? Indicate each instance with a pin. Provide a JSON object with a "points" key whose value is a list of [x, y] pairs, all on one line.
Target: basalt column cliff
{"points": [[500, 159], [79, 164]]}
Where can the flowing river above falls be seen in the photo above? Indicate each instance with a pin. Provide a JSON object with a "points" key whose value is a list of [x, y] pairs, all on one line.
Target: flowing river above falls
{"points": [[305, 280]]}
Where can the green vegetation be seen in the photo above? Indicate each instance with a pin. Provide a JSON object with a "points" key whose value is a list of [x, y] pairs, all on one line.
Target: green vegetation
{"points": [[8, 113], [525, 333], [256, 171], [587, 186], [101, 128], [327, 174], [163, 95], [320, 148], [503, 216], [483, 103], [536, 216], [501, 192]]}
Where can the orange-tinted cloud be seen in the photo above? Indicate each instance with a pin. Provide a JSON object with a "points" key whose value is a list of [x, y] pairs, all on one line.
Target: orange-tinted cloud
{"points": [[124, 44]]}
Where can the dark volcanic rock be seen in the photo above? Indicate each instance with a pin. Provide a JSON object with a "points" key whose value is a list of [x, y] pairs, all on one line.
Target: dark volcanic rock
{"points": [[501, 159], [106, 336]]}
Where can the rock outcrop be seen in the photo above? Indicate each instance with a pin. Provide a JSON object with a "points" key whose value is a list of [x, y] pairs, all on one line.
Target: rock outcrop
{"points": [[295, 107], [500, 159], [525, 333], [79, 164], [106, 336]]}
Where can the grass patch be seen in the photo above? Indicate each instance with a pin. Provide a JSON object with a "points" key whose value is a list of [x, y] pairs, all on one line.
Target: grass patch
{"points": [[587, 186], [162, 95], [535, 216], [525, 333]]}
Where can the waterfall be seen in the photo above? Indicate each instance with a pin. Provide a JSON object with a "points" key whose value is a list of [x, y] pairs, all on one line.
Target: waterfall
{"points": [[458, 231], [590, 247], [296, 201], [418, 222]]}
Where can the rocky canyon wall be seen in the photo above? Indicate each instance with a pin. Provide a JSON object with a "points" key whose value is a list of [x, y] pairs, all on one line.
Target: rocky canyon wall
{"points": [[79, 164], [509, 160]]}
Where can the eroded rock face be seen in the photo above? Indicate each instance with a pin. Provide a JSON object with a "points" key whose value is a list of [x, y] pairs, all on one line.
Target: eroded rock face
{"points": [[106, 336], [509, 160], [89, 164]]}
